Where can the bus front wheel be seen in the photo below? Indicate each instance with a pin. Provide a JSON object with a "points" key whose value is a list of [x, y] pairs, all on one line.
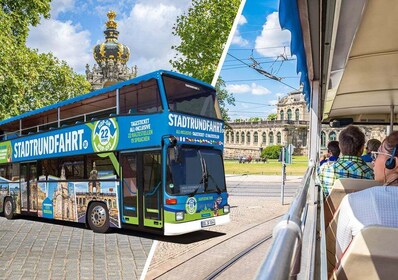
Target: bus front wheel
{"points": [[8, 208], [98, 217]]}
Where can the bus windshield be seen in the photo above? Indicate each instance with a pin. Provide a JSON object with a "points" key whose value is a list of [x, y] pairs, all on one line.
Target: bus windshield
{"points": [[188, 97], [195, 171]]}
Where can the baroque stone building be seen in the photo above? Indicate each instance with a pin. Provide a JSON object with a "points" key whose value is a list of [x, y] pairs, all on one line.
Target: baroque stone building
{"points": [[111, 57], [290, 127], [63, 201]]}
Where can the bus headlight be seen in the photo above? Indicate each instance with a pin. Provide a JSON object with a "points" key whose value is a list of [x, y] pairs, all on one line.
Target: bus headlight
{"points": [[179, 216], [226, 209]]}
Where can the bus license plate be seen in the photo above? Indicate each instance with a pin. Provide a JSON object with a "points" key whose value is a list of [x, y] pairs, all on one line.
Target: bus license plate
{"points": [[208, 223]]}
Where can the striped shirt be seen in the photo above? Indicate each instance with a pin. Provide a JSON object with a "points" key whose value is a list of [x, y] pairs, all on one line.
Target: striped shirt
{"points": [[345, 167]]}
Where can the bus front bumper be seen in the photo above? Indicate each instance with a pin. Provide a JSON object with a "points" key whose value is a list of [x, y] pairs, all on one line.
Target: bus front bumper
{"points": [[181, 228]]}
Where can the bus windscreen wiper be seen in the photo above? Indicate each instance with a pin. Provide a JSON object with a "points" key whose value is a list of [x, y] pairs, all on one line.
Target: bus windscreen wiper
{"points": [[205, 174]]}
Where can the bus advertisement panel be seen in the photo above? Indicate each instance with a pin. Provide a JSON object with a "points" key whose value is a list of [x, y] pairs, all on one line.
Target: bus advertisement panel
{"points": [[119, 133]]}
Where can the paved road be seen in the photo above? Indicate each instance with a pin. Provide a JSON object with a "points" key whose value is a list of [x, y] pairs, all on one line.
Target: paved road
{"points": [[41, 249], [37, 249], [261, 185]]}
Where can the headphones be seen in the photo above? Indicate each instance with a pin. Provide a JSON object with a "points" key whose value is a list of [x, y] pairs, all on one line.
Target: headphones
{"points": [[390, 163]]}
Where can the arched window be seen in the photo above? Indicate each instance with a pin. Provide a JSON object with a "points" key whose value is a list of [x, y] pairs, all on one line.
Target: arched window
{"points": [[255, 137], [332, 136], [279, 138], [297, 113], [237, 137], [232, 137], [289, 115], [323, 139], [242, 138], [227, 138], [282, 114], [264, 137], [248, 138], [271, 138]]}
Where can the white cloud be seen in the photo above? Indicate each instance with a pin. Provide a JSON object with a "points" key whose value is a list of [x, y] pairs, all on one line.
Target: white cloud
{"points": [[145, 26], [272, 36], [61, 6], [238, 39], [259, 90], [254, 89], [65, 40], [242, 20], [147, 30], [238, 88], [273, 102]]}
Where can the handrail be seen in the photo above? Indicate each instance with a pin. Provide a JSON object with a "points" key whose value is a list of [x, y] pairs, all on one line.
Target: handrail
{"points": [[287, 235]]}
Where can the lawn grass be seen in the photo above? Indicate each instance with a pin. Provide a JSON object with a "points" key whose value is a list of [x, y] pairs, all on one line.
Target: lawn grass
{"points": [[273, 167]]}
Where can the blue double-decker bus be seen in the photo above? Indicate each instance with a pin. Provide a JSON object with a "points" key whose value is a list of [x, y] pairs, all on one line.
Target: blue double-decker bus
{"points": [[144, 154]]}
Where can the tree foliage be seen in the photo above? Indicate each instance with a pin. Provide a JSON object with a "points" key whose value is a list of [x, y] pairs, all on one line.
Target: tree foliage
{"points": [[272, 117], [271, 152], [254, 119], [23, 13], [29, 80], [224, 97], [203, 31]]}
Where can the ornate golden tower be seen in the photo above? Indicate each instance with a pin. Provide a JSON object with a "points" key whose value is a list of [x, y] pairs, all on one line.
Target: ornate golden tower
{"points": [[111, 57]]}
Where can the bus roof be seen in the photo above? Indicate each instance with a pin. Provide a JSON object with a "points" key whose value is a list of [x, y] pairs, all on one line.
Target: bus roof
{"points": [[152, 75], [356, 59]]}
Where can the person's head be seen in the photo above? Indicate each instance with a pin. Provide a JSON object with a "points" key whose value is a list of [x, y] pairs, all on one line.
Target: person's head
{"points": [[351, 141], [387, 173], [372, 145], [333, 148]]}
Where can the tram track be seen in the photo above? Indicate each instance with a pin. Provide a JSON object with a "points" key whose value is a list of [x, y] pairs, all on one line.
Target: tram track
{"points": [[215, 272]]}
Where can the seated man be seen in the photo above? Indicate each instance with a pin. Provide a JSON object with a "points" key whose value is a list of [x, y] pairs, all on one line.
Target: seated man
{"points": [[350, 165], [333, 153], [372, 146], [373, 206]]}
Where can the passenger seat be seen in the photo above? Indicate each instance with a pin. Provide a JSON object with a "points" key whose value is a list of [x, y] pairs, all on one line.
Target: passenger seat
{"points": [[372, 254]]}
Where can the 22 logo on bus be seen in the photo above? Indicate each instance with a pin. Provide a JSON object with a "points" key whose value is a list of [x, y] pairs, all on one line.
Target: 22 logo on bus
{"points": [[105, 135]]}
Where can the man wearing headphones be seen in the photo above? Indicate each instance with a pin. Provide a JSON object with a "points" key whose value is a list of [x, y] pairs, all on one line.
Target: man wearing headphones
{"points": [[350, 165], [373, 206]]}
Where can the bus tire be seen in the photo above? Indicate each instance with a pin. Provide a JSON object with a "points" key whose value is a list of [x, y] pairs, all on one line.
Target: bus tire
{"points": [[98, 217], [8, 208]]}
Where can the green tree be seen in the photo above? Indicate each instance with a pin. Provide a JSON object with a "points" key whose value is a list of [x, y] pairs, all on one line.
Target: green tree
{"points": [[223, 97], [271, 117], [204, 30], [254, 119], [23, 13], [271, 152], [29, 80]]}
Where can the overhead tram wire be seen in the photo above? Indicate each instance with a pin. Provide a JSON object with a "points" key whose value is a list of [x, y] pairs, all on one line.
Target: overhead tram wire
{"points": [[264, 73], [260, 79]]}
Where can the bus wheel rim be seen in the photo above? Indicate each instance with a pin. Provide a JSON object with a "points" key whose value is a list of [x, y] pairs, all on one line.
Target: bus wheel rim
{"points": [[8, 208], [98, 216]]}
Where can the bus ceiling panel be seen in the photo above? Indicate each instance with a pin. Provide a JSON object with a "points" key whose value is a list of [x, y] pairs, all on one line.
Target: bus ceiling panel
{"points": [[377, 33], [377, 72]]}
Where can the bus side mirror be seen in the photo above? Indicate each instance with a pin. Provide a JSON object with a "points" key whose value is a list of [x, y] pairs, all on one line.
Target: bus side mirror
{"points": [[341, 122]]}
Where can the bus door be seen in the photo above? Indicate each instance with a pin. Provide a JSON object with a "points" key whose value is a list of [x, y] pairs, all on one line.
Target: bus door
{"points": [[28, 183], [152, 187], [141, 185]]}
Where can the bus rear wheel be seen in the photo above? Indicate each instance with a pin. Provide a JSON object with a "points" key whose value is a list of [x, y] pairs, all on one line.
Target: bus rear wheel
{"points": [[8, 208], [98, 217]]}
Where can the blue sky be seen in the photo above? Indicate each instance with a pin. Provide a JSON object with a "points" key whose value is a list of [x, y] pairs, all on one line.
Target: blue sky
{"points": [[145, 26], [259, 36], [76, 26]]}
